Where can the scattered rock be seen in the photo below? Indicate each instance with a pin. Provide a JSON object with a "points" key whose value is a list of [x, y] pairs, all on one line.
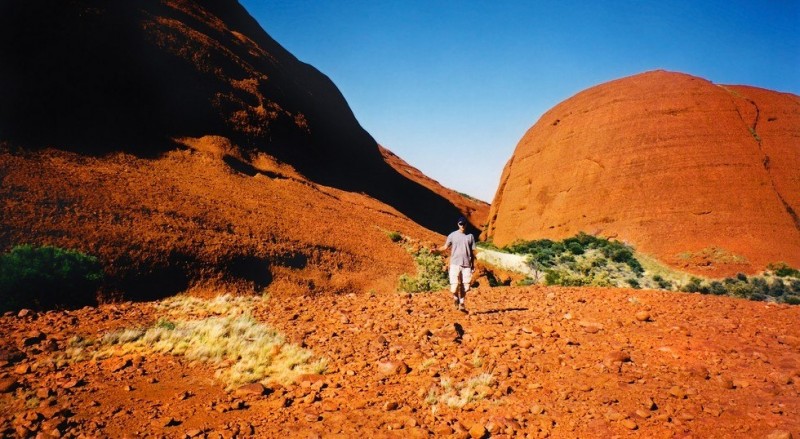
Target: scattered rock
{"points": [[25, 313], [253, 389], [629, 424], [393, 368], [117, 364], [780, 434], [8, 385], [391, 406], [643, 316], [477, 431]]}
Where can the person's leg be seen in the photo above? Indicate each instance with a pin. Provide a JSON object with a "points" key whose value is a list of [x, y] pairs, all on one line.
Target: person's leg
{"points": [[466, 279], [454, 283]]}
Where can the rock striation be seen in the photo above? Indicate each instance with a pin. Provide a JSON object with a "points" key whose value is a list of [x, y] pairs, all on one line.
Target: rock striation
{"points": [[702, 176]]}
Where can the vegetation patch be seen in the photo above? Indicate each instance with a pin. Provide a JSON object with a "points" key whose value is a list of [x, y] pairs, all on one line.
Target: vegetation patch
{"points": [[430, 273], [219, 331], [457, 395], [582, 260], [48, 277], [586, 260]]}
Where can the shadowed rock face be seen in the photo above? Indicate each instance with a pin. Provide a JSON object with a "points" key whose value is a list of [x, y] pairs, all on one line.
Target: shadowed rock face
{"points": [[702, 176], [94, 77]]}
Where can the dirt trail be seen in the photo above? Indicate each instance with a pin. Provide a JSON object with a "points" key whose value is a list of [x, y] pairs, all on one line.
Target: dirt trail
{"points": [[565, 362]]}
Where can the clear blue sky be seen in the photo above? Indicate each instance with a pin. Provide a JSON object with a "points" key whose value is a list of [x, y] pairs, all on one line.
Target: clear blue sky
{"points": [[452, 86]]}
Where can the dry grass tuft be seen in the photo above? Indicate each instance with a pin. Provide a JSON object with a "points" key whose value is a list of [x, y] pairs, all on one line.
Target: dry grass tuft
{"points": [[218, 331], [460, 394]]}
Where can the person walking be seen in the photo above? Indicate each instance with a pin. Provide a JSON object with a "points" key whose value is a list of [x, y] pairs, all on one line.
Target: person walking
{"points": [[462, 262]]}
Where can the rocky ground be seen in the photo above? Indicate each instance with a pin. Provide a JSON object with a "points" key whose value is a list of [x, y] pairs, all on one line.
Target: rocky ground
{"points": [[564, 362]]}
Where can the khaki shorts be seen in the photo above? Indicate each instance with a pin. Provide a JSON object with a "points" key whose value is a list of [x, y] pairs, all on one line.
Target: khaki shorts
{"points": [[465, 275]]}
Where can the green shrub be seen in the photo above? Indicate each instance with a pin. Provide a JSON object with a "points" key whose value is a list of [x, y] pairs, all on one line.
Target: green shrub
{"points": [[395, 236], [792, 300], [741, 289], [758, 297], [430, 274], [795, 286], [782, 269], [526, 281], [633, 283], [760, 285], [777, 288], [717, 288], [575, 248], [693, 286], [47, 277], [741, 276]]}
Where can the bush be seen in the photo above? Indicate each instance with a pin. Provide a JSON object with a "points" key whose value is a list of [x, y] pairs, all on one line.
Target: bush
{"points": [[394, 236], [782, 269], [741, 276], [777, 288], [633, 283], [758, 297], [792, 300], [795, 286], [693, 286], [430, 274], [575, 248], [717, 288], [47, 277]]}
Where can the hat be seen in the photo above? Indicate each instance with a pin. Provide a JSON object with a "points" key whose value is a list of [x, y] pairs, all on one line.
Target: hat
{"points": [[462, 220]]}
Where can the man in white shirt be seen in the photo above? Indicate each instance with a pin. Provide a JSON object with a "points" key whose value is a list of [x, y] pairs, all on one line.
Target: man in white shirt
{"points": [[462, 261]]}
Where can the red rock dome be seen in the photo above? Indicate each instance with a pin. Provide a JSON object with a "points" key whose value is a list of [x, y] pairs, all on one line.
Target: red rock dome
{"points": [[702, 176]]}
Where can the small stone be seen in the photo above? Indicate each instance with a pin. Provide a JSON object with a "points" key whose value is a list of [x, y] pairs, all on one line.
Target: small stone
{"points": [[393, 368], [253, 389], [390, 406], [329, 406], [117, 364], [166, 422], [780, 434], [644, 414], [677, 392], [525, 344], [7, 385], [643, 316], [537, 409], [44, 392], [194, 432], [725, 383], [22, 369], [25, 313], [477, 431], [629, 424], [311, 416], [443, 430], [612, 415]]}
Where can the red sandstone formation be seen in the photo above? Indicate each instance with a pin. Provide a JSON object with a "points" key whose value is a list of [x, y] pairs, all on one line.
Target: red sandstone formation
{"points": [[702, 176], [180, 143]]}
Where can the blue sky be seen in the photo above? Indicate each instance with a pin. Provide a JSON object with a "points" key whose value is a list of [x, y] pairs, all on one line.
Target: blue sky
{"points": [[452, 86]]}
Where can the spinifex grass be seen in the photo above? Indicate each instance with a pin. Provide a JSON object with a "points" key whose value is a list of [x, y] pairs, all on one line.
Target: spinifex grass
{"points": [[244, 349], [460, 394]]}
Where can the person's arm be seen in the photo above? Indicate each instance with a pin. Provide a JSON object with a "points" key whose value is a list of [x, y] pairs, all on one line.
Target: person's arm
{"points": [[445, 246], [472, 254]]}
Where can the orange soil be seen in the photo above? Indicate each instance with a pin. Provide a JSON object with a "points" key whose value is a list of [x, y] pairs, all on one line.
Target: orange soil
{"points": [[567, 362], [161, 226], [704, 177]]}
